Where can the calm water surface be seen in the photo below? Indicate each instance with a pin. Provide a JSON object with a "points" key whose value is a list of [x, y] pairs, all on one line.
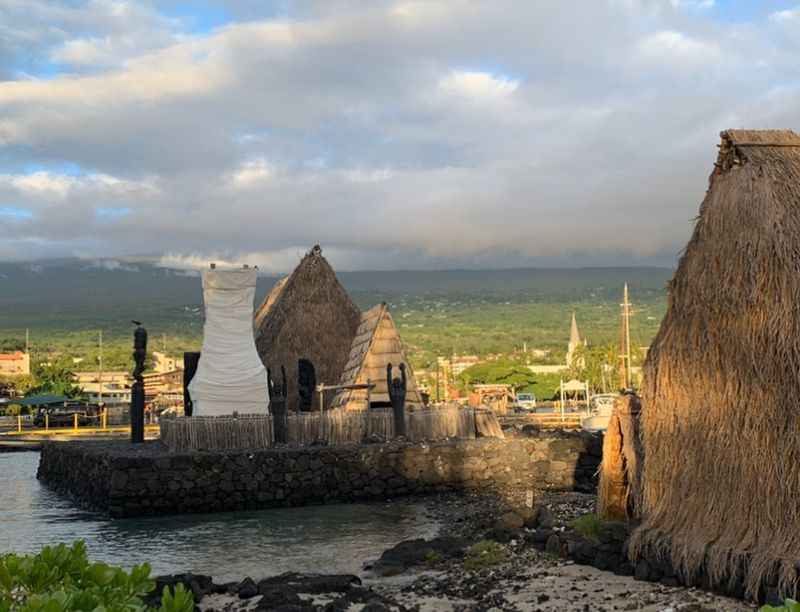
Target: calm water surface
{"points": [[228, 546]]}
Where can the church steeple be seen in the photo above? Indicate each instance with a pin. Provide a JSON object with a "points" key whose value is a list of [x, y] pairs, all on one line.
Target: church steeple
{"points": [[574, 336], [574, 340]]}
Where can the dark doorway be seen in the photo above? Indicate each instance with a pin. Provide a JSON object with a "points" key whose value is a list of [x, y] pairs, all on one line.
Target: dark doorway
{"points": [[306, 384]]}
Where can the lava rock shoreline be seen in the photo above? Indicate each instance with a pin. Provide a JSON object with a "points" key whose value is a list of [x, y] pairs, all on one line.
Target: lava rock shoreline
{"points": [[528, 567]]}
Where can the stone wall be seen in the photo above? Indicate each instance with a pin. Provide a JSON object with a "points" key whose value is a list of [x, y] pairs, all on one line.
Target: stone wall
{"points": [[125, 480]]}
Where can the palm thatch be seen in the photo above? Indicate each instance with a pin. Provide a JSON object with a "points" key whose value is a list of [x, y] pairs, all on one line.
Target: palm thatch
{"points": [[376, 344], [721, 395], [307, 315]]}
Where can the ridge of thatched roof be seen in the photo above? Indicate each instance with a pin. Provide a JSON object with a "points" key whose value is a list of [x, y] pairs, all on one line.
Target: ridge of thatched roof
{"points": [[721, 389], [307, 315], [759, 146], [762, 138], [375, 344]]}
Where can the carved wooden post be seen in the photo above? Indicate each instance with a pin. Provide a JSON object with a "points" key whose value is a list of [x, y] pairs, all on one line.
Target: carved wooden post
{"points": [[397, 395], [277, 407], [137, 390]]}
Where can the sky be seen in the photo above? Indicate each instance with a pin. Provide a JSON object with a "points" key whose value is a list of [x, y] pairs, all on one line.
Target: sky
{"points": [[397, 134]]}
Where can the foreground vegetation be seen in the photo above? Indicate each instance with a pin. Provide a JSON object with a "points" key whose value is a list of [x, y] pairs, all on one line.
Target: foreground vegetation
{"points": [[61, 579]]}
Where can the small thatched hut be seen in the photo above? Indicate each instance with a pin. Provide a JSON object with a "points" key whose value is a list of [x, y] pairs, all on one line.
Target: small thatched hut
{"points": [[376, 344], [721, 394], [307, 316]]}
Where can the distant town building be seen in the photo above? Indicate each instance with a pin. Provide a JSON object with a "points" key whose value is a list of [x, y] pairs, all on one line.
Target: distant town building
{"points": [[15, 364], [547, 369], [164, 389], [460, 363], [113, 387], [162, 363]]}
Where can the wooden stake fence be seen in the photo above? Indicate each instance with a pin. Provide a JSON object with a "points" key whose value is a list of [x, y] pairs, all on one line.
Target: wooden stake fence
{"points": [[333, 427]]}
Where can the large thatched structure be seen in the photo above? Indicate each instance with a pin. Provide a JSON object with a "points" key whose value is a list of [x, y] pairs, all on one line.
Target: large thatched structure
{"points": [[376, 344], [721, 395], [307, 315]]}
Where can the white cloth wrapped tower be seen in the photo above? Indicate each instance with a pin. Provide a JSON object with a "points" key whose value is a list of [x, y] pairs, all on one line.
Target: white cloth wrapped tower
{"points": [[230, 376]]}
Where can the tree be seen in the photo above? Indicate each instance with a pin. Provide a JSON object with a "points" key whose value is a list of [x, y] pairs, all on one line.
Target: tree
{"points": [[599, 365], [54, 378], [499, 372]]}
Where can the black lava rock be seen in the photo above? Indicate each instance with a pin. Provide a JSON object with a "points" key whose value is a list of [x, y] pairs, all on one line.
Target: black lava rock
{"points": [[247, 588]]}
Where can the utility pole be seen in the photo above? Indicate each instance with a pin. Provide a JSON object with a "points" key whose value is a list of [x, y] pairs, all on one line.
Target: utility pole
{"points": [[625, 355], [100, 365], [27, 341], [437, 381]]}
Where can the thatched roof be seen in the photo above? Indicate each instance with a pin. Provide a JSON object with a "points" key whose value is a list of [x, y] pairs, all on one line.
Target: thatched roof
{"points": [[307, 315], [376, 344], [720, 417]]}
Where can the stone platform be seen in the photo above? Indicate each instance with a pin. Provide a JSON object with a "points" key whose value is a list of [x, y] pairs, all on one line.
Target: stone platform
{"points": [[127, 480]]}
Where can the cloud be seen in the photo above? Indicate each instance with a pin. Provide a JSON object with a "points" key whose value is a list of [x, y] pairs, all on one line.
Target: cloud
{"points": [[251, 174], [397, 134], [478, 85], [786, 16]]}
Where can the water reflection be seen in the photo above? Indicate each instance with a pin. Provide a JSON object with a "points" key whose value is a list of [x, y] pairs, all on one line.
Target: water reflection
{"points": [[335, 538]]}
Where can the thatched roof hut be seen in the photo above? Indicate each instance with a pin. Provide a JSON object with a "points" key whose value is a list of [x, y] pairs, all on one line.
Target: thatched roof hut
{"points": [[721, 393], [307, 315], [376, 344]]}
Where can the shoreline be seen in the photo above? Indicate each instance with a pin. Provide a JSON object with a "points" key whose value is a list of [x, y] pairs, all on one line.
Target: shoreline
{"points": [[446, 573]]}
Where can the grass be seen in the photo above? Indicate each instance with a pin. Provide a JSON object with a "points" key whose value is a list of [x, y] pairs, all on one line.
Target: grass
{"points": [[484, 554], [589, 526]]}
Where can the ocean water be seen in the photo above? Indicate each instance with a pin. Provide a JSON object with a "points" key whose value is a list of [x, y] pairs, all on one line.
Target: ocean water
{"points": [[328, 539]]}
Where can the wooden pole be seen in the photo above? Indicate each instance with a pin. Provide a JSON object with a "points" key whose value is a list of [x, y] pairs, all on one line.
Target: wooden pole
{"points": [[75, 421], [320, 388], [587, 398], [19, 423], [628, 336], [100, 370], [562, 400]]}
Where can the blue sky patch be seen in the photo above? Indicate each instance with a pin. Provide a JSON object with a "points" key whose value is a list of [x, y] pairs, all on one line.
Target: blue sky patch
{"points": [[15, 212], [112, 213]]}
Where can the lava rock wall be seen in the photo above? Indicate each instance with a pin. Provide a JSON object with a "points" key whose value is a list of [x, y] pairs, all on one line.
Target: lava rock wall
{"points": [[126, 480]]}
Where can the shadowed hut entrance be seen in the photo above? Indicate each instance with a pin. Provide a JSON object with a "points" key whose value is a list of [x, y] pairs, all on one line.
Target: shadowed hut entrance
{"points": [[306, 384], [720, 418]]}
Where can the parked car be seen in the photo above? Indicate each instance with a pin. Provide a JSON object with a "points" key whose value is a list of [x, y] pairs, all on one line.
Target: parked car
{"points": [[526, 401], [602, 403], [63, 415]]}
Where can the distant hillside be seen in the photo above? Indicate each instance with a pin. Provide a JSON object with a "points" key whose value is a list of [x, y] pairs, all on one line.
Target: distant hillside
{"points": [[65, 303]]}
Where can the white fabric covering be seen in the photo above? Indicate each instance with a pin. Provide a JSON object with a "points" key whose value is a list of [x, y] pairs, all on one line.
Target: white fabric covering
{"points": [[230, 376]]}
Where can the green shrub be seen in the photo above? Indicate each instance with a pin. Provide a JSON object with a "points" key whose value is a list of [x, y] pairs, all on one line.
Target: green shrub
{"points": [[61, 579], [485, 553], [589, 526], [433, 557], [790, 605]]}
